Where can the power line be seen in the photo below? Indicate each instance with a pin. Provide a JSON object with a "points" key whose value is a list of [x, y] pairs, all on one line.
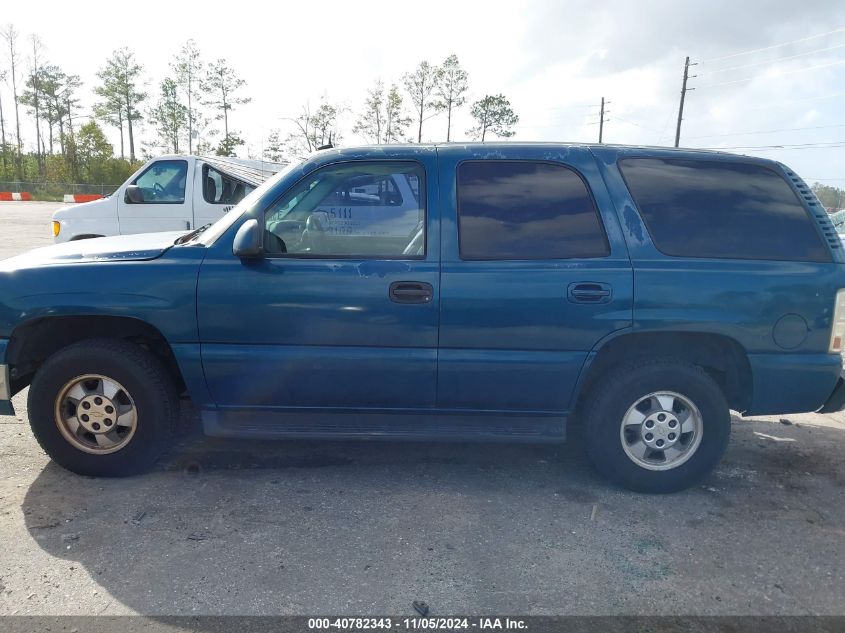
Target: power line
{"points": [[646, 127], [779, 149], [795, 146], [788, 72], [804, 100], [768, 48], [573, 106], [786, 129], [773, 61]]}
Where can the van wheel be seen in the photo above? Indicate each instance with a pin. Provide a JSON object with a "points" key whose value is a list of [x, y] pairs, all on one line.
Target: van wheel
{"points": [[102, 407], [656, 426]]}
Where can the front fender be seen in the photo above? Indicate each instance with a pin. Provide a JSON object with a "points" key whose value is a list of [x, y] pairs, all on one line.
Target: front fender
{"points": [[161, 292], [98, 217]]}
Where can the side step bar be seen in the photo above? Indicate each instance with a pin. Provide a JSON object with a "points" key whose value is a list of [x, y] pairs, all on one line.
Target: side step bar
{"points": [[450, 427]]}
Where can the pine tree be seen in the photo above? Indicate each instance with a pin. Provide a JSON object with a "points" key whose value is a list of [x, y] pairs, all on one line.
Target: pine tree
{"points": [[274, 149], [421, 86], [220, 84], [383, 119], [169, 116], [121, 77], [452, 89], [493, 114]]}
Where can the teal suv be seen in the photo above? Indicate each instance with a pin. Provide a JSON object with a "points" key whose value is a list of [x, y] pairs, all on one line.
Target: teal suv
{"points": [[513, 292]]}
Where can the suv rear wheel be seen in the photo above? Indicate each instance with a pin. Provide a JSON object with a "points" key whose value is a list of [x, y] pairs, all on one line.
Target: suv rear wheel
{"points": [[102, 407], [657, 426]]}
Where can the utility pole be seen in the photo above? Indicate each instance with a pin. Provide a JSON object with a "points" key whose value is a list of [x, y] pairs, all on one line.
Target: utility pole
{"points": [[601, 121], [684, 90]]}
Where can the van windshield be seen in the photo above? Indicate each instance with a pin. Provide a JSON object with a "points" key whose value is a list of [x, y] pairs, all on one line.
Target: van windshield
{"points": [[209, 236]]}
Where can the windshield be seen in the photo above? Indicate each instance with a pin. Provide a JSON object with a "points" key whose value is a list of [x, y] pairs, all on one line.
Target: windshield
{"points": [[210, 235]]}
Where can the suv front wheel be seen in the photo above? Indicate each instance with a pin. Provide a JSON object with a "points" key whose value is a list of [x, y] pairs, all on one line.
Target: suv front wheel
{"points": [[657, 426], [102, 407]]}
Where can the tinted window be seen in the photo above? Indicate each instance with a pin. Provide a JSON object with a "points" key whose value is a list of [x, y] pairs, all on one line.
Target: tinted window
{"points": [[219, 188], [526, 210], [164, 182], [356, 209], [696, 208]]}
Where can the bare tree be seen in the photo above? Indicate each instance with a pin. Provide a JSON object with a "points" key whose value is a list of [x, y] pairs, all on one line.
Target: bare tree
{"points": [[313, 130], [187, 67], [35, 97], [11, 34], [3, 75]]}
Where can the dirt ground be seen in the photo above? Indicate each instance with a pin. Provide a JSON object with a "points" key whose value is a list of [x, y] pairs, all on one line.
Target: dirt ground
{"points": [[232, 527]]}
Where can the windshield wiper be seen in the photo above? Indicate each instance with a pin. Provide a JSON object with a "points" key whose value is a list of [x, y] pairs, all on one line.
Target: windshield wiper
{"points": [[193, 234]]}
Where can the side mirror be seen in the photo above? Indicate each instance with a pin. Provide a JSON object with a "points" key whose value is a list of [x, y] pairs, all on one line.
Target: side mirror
{"points": [[247, 242], [134, 195]]}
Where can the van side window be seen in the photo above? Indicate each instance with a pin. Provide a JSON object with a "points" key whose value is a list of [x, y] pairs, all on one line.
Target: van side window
{"points": [[354, 209], [163, 182], [219, 188], [526, 210], [721, 209]]}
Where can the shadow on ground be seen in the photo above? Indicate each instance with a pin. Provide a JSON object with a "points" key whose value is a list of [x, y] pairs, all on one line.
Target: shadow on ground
{"points": [[237, 527]]}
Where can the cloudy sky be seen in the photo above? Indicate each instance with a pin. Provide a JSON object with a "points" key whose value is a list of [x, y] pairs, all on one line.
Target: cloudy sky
{"points": [[769, 73]]}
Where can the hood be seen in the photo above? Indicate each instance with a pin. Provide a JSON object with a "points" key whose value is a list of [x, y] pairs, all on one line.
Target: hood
{"points": [[102, 249], [104, 207]]}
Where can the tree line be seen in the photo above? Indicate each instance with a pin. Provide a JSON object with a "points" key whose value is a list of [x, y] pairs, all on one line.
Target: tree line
{"points": [[68, 145], [191, 110], [830, 197], [397, 113]]}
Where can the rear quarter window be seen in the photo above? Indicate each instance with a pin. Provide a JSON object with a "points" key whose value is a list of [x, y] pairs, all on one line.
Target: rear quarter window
{"points": [[721, 209], [524, 210]]}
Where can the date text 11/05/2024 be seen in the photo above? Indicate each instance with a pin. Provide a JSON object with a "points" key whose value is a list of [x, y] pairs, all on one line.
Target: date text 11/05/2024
{"points": [[418, 624]]}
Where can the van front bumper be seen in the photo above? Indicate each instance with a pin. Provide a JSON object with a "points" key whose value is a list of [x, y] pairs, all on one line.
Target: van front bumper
{"points": [[6, 407], [836, 401]]}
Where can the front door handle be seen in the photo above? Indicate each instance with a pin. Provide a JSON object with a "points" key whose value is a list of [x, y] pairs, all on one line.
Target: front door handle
{"points": [[589, 292], [411, 292]]}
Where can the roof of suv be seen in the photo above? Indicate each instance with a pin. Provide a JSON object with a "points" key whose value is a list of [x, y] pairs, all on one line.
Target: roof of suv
{"points": [[509, 146]]}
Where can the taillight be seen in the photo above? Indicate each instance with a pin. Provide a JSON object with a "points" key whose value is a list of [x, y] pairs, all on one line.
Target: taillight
{"points": [[837, 336]]}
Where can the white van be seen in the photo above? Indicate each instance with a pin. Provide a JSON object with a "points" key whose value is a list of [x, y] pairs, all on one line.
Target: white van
{"points": [[169, 193]]}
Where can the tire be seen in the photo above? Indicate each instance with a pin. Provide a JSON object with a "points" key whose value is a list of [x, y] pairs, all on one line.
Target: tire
{"points": [[146, 394], [693, 455]]}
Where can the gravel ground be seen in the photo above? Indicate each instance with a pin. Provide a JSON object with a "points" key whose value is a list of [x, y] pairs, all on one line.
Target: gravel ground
{"points": [[223, 527]]}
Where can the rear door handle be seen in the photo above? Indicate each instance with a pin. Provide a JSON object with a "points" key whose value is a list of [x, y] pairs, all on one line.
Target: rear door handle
{"points": [[589, 292], [411, 292]]}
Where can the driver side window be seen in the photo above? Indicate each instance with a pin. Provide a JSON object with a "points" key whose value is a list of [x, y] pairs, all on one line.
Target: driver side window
{"points": [[164, 182], [354, 209]]}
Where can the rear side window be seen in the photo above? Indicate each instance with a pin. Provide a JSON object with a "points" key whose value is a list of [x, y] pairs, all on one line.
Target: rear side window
{"points": [[526, 210], [219, 188], [718, 209]]}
